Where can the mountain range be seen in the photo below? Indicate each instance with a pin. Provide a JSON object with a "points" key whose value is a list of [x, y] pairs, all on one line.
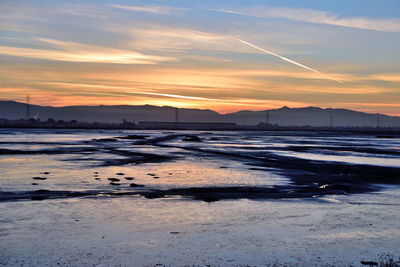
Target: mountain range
{"points": [[312, 116]]}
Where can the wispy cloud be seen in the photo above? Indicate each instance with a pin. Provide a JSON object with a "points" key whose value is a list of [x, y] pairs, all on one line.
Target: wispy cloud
{"points": [[149, 9], [131, 91], [316, 16], [173, 38], [77, 52], [389, 77]]}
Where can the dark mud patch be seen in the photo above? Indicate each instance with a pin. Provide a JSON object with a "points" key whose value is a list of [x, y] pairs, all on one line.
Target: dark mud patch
{"points": [[105, 140], [63, 194], [36, 143], [192, 138], [387, 136], [61, 150], [305, 172], [208, 194], [39, 178], [136, 185], [211, 194], [133, 137], [44, 194]]}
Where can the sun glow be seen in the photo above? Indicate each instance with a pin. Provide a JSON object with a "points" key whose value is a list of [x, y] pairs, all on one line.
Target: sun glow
{"points": [[142, 54]]}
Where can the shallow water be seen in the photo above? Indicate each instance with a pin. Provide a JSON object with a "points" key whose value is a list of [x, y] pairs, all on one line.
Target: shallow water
{"points": [[105, 228]]}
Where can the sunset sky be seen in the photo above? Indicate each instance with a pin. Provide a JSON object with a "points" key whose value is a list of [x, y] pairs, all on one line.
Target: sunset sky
{"points": [[203, 54]]}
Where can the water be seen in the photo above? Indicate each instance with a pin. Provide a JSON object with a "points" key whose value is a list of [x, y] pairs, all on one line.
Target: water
{"points": [[104, 228]]}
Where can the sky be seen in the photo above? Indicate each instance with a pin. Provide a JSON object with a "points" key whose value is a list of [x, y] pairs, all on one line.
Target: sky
{"points": [[225, 55]]}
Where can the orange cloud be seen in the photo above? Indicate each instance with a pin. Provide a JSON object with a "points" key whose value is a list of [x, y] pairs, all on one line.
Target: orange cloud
{"points": [[76, 52]]}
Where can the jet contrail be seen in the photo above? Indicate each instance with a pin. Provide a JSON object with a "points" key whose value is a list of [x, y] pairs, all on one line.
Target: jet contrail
{"points": [[288, 60]]}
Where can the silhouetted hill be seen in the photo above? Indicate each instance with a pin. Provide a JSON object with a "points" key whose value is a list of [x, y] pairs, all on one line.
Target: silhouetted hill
{"points": [[16, 110], [312, 116]]}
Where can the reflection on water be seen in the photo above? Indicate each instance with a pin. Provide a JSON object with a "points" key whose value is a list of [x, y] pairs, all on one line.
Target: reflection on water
{"points": [[360, 158], [79, 159]]}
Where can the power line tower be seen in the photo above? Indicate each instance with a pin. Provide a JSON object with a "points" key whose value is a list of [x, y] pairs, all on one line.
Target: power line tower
{"points": [[267, 116], [27, 107], [377, 121]]}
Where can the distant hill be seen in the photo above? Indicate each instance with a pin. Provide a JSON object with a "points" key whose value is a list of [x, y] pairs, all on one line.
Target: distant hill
{"points": [[312, 116]]}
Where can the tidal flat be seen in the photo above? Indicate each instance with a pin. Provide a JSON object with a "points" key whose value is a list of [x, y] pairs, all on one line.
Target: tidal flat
{"points": [[183, 198]]}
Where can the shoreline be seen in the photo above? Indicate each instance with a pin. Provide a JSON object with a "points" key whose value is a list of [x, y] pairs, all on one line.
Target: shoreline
{"points": [[392, 132]]}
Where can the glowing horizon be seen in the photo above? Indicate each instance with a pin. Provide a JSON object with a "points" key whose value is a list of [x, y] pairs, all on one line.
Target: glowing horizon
{"points": [[189, 55]]}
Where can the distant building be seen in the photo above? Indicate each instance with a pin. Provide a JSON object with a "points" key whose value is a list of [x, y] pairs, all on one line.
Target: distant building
{"points": [[186, 125]]}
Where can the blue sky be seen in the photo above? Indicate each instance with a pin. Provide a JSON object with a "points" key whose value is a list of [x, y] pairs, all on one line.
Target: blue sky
{"points": [[187, 53]]}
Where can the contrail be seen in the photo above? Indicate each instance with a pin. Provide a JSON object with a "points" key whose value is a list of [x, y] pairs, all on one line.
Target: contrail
{"points": [[288, 60]]}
